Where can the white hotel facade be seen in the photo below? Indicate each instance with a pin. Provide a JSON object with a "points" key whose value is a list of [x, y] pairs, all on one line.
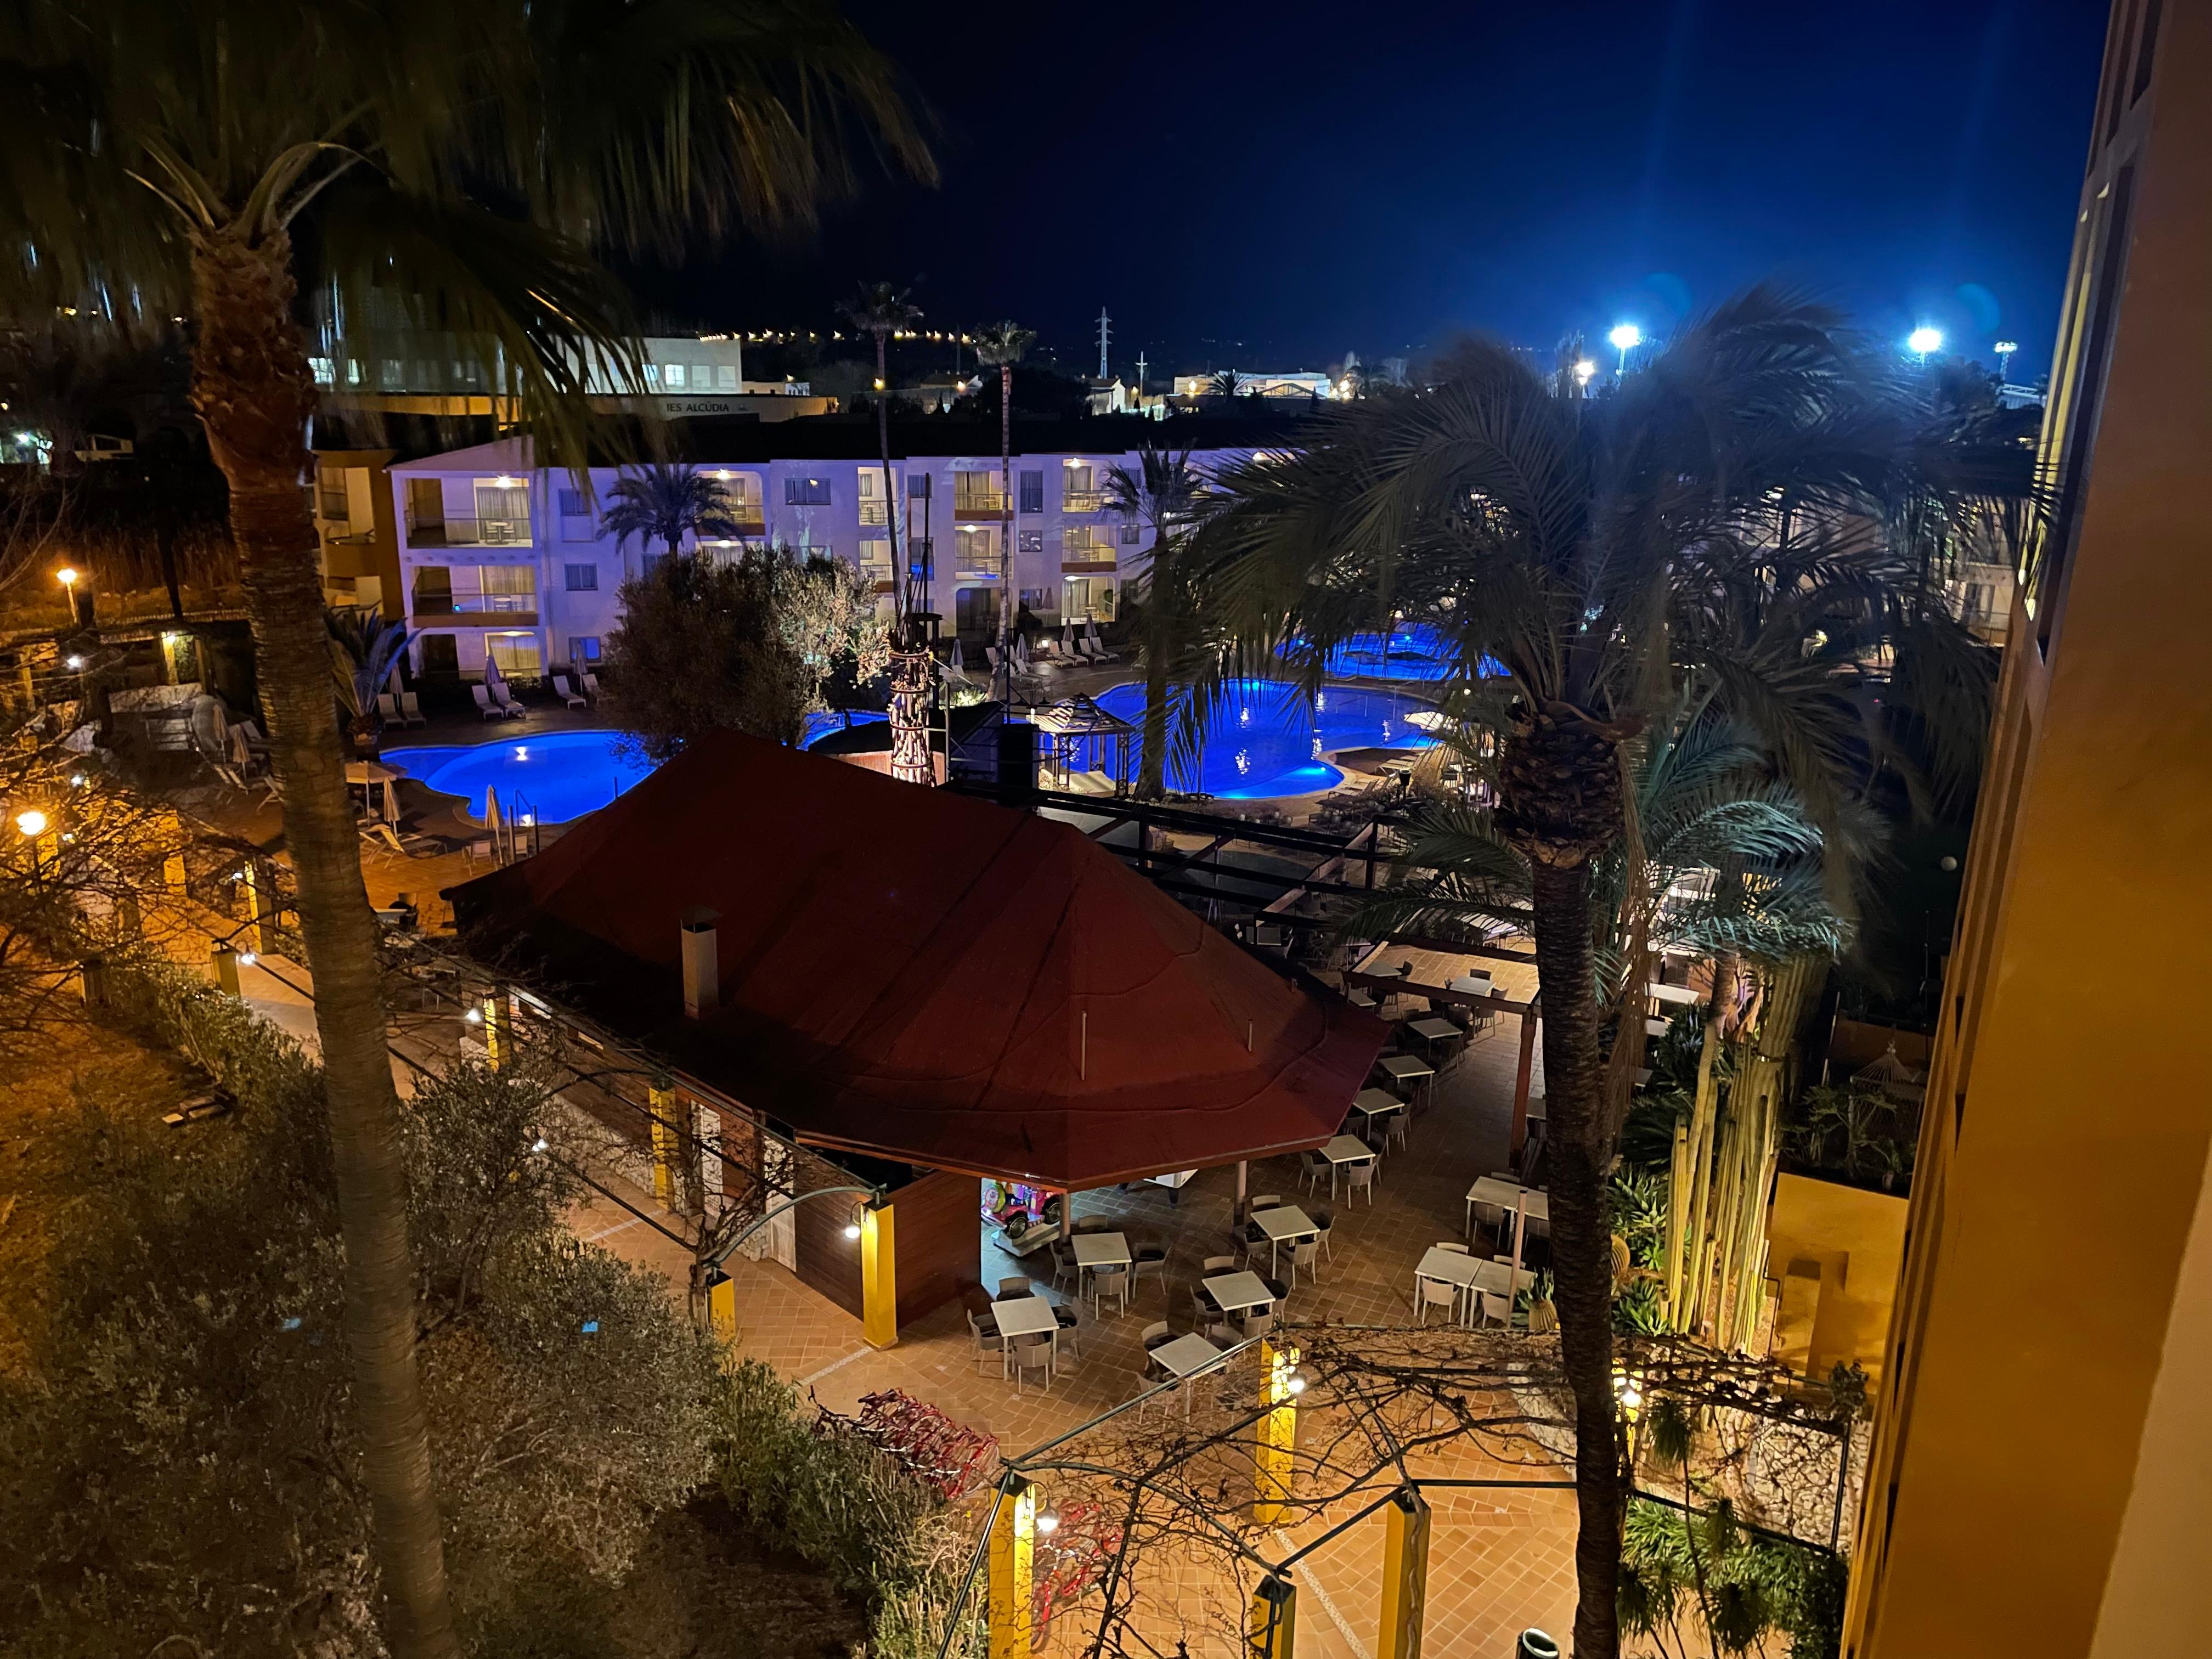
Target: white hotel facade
{"points": [[505, 560]]}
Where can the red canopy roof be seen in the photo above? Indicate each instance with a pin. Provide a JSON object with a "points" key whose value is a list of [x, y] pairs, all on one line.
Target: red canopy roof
{"points": [[925, 976]]}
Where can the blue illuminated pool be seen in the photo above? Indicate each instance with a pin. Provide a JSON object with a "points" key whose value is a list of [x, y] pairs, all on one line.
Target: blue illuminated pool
{"points": [[1270, 740], [1414, 652], [558, 776]]}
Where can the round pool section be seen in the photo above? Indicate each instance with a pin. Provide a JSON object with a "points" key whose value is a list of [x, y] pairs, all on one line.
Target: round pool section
{"points": [[1417, 652], [1269, 740], [558, 776]]}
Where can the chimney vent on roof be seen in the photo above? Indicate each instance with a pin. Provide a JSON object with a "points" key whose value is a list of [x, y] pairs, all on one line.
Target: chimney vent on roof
{"points": [[702, 967]]}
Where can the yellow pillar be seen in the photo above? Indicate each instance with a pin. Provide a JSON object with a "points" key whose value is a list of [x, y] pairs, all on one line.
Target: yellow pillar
{"points": [[1273, 1628], [1008, 1567], [224, 960], [1276, 1434], [260, 905], [878, 1277], [722, 1309], [662, 1100], [1404, 1575], [498, 1029]]}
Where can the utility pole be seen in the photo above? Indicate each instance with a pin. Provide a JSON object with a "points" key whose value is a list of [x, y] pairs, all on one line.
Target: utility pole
{"points": [[1104, 334]]}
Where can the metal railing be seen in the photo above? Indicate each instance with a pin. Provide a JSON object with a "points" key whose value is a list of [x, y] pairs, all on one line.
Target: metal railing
{"points": [[468, 532], [1083, 500], [979, 504], [492, 607]]}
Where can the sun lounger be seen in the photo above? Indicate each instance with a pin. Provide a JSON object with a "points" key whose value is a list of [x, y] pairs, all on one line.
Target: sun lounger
{"points": [[485, 706], [410, 710], [562, 691], [507, 700], [590, 684], [387, 706]]}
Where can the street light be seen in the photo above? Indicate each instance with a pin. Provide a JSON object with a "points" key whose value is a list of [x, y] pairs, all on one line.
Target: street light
{"points": [[32, 821], [1923, 341], [1626, 337], [2004, 349], [67, 577], [1583, 371]]}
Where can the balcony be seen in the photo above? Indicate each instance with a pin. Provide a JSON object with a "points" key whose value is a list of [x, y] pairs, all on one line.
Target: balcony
{"points": [[1083, 500], [468, 532], [873, 513], [979, 504], [751, 519], [1092, 565], [474, 609]]}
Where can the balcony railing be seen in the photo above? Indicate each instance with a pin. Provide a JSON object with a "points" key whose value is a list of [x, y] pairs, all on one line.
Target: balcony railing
{"points": [[873, 513], [468, 532], [979, 504], [477, 610], [1083, 500], [1076, 564]]}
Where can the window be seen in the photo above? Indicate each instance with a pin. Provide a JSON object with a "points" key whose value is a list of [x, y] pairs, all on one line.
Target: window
{"points": [[517, 654], [583, 648], [581, 578], [576, 516], [392, 371], [1079, 480], [1033, 492], [872, 496], [441, 656], [653, 375], [702, 377], [507, 586], [726, 378], [502, 512], [1032, 541], [917, 487], [1128, 535], [433, 591], [806, 492], [331, 501], [325, 371], [672, 377], [976, 492], [1086, 543], [876, 557]]}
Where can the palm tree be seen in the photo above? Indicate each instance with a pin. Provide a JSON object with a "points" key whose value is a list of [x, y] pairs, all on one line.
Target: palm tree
{"points": [[1006, 343], [423, 165], [364, 649], [881, 310], [1227, 383], [670, 502], [1718, 515], [1167, 494]]}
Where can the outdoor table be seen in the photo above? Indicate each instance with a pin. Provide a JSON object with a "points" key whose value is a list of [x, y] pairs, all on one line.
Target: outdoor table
{"points": [[1374, 1103], [1100, 1250], [1024, 1316], [1451, 1267], [1235, 1292], [1404, 1069], [1490, 1190], [1433, 1031], [1184, 1358], [1472, 984], [1679, 996], [1655, 1028], [1283, 1226], [1344, 1149]]}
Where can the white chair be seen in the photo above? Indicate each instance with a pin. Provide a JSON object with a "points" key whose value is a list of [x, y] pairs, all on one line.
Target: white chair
{"points": [[411, 709], [988, 1339], [1306, 1253], [1323, 1223], [1258, 1322], [1497, 1306], [485, 706], [1359, 1178], [1154, 1334], [508, 701], [1312, 1168], [387, 708], [590, 682], [1109, 1281], [566, 693], [1032, 1353], [1145, 1258], [1456, 1249], [1218, 1264], [1268, 1202], [1070, 1321], [1011, 1288], [1434, 1293]]}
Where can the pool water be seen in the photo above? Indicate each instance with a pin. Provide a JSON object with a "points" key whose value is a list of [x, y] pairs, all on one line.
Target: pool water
{"points": [[1269, 740], [556, 777], [1416, 653]]}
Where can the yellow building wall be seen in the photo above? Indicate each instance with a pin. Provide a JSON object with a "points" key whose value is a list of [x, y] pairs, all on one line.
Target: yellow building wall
{"points": [[1853, 1242]]}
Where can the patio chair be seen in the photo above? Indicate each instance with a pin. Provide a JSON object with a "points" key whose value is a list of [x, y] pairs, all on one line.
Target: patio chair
{"points": [[1359, 1178], [1109, 1281], [1093, 1224], [411, 709], [1156, 1334], [1306, 1253], [1258, 1323], [1064, 1267], [1011, 1288], [1393, 1129], [1070, 1321], [1219, 1264], [1143, 1257], [1456, 1249], [983, 1330], [1032, 1353], [567, 694], [1313, 1170], [1202, 1308], [1491, 1215], [1323, 1221], [1280, 1289], [1494, 1305], [485, 706], [1434, 1293]]}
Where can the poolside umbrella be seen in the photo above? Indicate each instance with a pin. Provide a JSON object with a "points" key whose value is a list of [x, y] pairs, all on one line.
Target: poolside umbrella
{"points": [[494, 685], [369, 775]]}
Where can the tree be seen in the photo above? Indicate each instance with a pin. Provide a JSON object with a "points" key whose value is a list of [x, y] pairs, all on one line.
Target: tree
{"points": [[1004, 344], [1167, 494], [670, 502], [364, 650], [1721, 512], [1227, 383], [455, 167], [742, 645], [881, 310]]}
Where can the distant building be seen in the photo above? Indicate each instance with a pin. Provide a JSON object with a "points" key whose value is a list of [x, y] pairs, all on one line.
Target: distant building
{"points": [[1304, 383], [503, 559], [2038, 1479]]}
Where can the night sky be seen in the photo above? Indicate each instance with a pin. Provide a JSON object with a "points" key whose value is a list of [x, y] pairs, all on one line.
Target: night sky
{"points": [[1266, 187]]}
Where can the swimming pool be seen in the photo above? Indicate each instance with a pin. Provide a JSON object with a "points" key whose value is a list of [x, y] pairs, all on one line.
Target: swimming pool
{"points": [[1269, 740], [558, 776], [1414, 652]]}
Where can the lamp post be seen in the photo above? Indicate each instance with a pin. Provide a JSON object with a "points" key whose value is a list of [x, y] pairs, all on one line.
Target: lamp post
{"points": [[1626, 337], [2004, 349], [1923, 342]]}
